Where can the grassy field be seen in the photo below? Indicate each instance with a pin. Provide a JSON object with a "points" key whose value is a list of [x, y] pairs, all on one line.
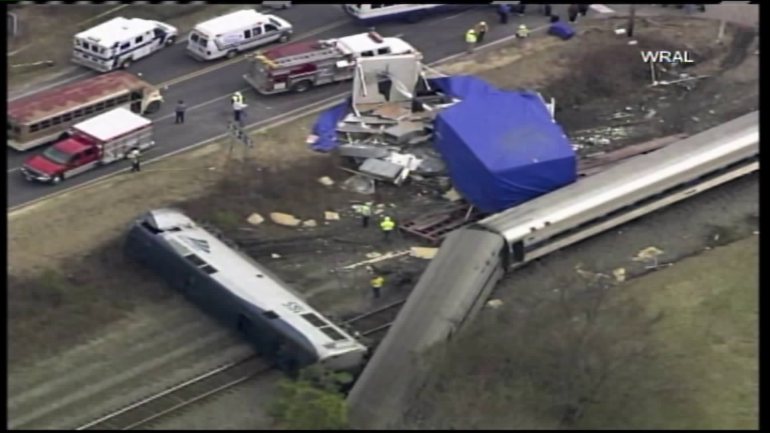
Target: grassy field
{"points": [[676, 349], [707, 341]]}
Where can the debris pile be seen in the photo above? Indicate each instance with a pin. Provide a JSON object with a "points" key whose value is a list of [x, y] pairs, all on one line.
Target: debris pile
{"points": [[385, 130]]}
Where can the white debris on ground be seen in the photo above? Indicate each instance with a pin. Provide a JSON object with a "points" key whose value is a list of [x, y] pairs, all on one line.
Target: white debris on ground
{"points": [[309, 223], [646, 254], [378, 258], [619, 274], [494, 303], [255, 219], [423, 252], [275, 256], [452, 195], [326, 181], [331, 216], [284, 219]]}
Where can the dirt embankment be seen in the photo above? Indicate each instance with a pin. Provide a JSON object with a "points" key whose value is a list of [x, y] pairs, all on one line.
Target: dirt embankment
{"points": [[602, 87]]}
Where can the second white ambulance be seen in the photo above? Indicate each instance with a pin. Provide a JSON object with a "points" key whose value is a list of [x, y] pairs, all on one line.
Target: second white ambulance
{"points": [[227, 35]]}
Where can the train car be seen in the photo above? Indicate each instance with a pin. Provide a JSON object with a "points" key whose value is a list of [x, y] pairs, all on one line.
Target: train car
{"points": [[467, 266], [240, 293], [368, 14], [450, 292], [630, 189]]}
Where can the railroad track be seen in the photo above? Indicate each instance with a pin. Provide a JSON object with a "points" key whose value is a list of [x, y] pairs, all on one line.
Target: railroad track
{"points": [[180, 396], [151, 409], [375, 321]]}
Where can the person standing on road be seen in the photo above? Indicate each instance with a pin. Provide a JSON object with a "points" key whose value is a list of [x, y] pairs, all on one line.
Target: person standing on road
{"points": [[547, 10], [503, 11], [522, 7], [238, 106], [522, 32], [387, 225], [366, 212], [377, 282], [481, 31], [470, 39], [136, 163], [572, 12], [180, 109]]}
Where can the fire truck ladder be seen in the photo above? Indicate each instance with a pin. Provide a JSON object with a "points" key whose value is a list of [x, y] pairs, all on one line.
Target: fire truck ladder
{"points": [[298, 59]]}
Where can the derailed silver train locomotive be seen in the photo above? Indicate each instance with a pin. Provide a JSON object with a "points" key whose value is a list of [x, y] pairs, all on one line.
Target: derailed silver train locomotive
{"points": [[471, 261], [240, 293]]}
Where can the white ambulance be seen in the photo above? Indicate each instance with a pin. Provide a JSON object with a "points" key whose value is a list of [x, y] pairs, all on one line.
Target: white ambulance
{"points": [[227, 35], [120, 41]]}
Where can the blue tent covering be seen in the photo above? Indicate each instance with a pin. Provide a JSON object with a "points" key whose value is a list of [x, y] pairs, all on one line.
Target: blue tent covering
{"points": [[502, 148], [325, 127]]}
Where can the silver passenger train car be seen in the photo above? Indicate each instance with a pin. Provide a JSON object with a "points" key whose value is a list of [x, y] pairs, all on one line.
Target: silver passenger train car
{"points": [[240, 293], [630, 189], [471, 261]]}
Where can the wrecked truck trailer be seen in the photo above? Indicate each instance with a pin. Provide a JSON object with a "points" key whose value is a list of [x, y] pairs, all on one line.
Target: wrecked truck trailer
{"points": [[502, 148]]}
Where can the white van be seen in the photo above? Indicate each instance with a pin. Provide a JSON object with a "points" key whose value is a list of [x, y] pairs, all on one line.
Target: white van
{"points": [[120, 41], [229, 34]]}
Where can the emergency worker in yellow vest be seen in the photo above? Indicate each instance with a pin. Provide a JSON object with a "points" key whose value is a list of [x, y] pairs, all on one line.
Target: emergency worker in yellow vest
{"points": [[377, 282], [522, 32], [365, 210], [238, 105], [387, 225], [471, 39]]}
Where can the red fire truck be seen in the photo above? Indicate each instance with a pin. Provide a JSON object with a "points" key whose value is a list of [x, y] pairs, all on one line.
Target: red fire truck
{"points": [[100, 140], [300, 66]]}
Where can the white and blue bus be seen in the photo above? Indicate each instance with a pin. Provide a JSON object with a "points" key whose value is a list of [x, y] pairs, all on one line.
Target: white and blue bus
{"points": [[375, 13]]}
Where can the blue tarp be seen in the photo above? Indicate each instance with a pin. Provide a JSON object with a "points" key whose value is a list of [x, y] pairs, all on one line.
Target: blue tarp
{"points": [[325, 127], [502, 148], [561, 30]]}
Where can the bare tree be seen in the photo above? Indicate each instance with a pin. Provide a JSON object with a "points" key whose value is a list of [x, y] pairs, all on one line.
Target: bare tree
{"points": [[631, 21]]}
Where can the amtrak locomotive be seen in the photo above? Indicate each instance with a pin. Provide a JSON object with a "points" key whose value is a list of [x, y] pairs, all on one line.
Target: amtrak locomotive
{"points": [[240, 293]]}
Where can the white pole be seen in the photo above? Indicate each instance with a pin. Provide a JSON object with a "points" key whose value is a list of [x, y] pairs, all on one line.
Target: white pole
{"points": [[721, 34]]}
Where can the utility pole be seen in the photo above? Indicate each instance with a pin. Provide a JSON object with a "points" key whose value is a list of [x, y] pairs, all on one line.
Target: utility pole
{"points": [[631, 21], [238, 135], [721, 33]]}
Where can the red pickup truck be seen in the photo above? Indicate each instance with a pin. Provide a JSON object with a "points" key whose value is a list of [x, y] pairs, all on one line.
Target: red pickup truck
{"points": [[100, 140]]}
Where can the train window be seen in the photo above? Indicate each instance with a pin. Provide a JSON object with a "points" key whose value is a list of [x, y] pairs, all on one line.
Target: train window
{"points": [[209, 269], [197, 261], [518, 251], [150, 228], [270, 314], [331, 332], [314, 320]]}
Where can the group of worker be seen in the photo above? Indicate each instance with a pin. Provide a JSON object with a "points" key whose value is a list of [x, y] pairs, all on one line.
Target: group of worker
{"points": [[387, 225]]}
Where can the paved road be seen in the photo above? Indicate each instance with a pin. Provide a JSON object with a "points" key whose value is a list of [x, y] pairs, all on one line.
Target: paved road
{"points": [[206, 93]]}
